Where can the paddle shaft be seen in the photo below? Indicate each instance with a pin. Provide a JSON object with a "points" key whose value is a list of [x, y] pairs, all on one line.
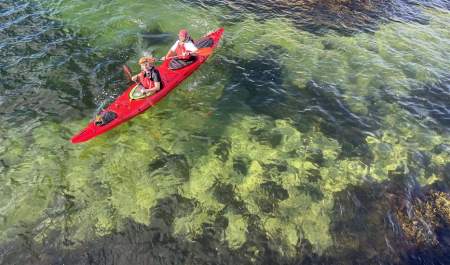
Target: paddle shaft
{"points": [[200, 52]]}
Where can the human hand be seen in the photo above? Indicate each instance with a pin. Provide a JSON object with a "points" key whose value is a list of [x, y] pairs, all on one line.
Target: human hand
{"points": [[163, 58]]}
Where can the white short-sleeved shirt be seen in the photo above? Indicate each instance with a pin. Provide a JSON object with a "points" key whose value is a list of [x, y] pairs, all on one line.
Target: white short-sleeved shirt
{"points": [[189, 46]]}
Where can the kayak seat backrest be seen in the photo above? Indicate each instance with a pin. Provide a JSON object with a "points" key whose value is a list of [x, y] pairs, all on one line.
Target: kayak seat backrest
{"points": [[106, 118], [204, 43], [176, 64]]}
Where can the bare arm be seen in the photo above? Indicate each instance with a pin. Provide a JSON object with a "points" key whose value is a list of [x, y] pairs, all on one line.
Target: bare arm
{"points": [[156, 87], [153, 89], [171, 51]]}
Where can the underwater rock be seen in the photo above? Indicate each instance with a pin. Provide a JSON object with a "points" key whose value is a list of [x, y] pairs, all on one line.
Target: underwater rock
{"points": [[240, 165], [64, 203], [171, 165], [314, 192], [344, 16], [225, 193], [419, 159], [167, 210], [441, 148], [156, 36], [260, 83], [222, 149], [430, 104], [313, 175], [3, 165], [275, 168], [267, 137], [274, 191]]}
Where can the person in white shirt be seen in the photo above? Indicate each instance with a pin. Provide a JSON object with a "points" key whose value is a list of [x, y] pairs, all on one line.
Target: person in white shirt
{"points": [[184, 50]]}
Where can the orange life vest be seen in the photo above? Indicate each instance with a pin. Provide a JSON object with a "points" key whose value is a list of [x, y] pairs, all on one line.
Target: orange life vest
{"points": [[146, 81], [181, 52]]}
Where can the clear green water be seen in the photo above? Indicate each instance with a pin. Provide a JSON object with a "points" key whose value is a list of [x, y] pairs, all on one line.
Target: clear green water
{"points": [[247, 155]]}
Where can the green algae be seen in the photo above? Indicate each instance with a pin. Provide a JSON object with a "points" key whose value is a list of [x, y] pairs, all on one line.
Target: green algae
{"points": [[288, 211], [191, 226], [103, 197], [236, 231], [92, 191]]}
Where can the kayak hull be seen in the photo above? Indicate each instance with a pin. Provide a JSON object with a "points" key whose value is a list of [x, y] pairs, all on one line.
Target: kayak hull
{"points": [[126, 108]]}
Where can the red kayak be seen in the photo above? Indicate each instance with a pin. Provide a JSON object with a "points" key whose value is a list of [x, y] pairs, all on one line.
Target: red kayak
{"points": [[127, 105]]}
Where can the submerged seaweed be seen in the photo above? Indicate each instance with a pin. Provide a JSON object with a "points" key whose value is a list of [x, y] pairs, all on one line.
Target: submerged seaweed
{"points": [[423, 219], [431, 101], [288, 148], [370, 223]]}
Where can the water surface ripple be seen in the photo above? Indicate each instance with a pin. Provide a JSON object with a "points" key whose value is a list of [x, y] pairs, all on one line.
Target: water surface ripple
{"points": [[318, 133]]}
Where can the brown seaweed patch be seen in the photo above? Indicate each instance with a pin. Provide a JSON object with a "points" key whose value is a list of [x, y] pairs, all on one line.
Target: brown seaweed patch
{"points": [[393, 222], [422, 218]]}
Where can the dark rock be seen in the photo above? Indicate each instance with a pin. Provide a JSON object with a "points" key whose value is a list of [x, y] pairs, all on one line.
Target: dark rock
{"points": [[240, 165], [314, 192], [222, 149], [274, 191], [170, 165]]}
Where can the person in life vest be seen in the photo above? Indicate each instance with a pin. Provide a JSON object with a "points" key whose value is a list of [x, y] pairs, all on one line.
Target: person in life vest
{"points": [[149, 78], [184, 50]]}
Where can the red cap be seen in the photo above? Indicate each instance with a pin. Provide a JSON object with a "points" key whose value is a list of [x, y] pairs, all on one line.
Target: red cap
{"points": [[183, 33]]}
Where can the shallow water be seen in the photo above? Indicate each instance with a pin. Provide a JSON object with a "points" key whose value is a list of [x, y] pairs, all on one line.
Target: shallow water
{"points": [[313, 135]]}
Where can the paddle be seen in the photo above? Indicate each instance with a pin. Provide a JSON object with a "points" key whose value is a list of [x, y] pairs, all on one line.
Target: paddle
{"points": [[127, 72], [200, 52]]}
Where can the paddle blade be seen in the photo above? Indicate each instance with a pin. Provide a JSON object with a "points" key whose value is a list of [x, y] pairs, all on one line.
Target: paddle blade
{"points": [[204, 51], [127, 72]]}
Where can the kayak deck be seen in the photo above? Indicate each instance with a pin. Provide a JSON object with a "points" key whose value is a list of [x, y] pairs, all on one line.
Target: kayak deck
{"points": [[126, 108]]}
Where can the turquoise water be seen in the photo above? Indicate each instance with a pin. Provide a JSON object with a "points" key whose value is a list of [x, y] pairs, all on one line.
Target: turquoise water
{"points": [[307, 138]]}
